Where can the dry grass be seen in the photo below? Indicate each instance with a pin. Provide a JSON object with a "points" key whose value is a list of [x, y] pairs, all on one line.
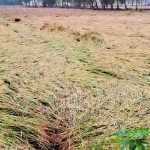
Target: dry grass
{"points": [[69, 78]]}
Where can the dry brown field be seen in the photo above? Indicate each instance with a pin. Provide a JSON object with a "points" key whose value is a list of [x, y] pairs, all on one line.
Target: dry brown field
{"points": [[87, 68]]}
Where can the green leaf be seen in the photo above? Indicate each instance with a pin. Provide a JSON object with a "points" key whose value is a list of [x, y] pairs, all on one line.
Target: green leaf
{"points": [[140, 147], [132, 139], [138, 133]]}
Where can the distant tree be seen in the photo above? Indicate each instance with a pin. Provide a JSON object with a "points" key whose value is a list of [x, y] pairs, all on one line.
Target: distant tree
{"points": [[125, 3], [8, 2], [25, 2], [48, 3], [93, 4]]}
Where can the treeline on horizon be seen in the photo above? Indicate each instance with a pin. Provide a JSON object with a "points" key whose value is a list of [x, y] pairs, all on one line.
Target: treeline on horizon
{"points": [[90, 4]]}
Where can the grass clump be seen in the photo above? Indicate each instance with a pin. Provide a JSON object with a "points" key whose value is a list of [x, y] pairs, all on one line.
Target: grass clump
{"points": [[14, 112], [147, 78], [17, 130], [88, 36], [99, 71]]}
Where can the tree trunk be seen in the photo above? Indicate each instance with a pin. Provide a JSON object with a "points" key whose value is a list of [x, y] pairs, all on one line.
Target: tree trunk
{"points": [[96, 4], [118, 4], [111, 6], [136, 4], [125, 4]]}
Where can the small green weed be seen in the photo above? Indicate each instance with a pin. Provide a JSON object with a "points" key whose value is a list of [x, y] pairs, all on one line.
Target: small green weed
{"points": [[132, 139]]}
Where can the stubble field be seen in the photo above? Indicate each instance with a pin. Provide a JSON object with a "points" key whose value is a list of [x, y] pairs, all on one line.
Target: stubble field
{"points": [[69, 77]]}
